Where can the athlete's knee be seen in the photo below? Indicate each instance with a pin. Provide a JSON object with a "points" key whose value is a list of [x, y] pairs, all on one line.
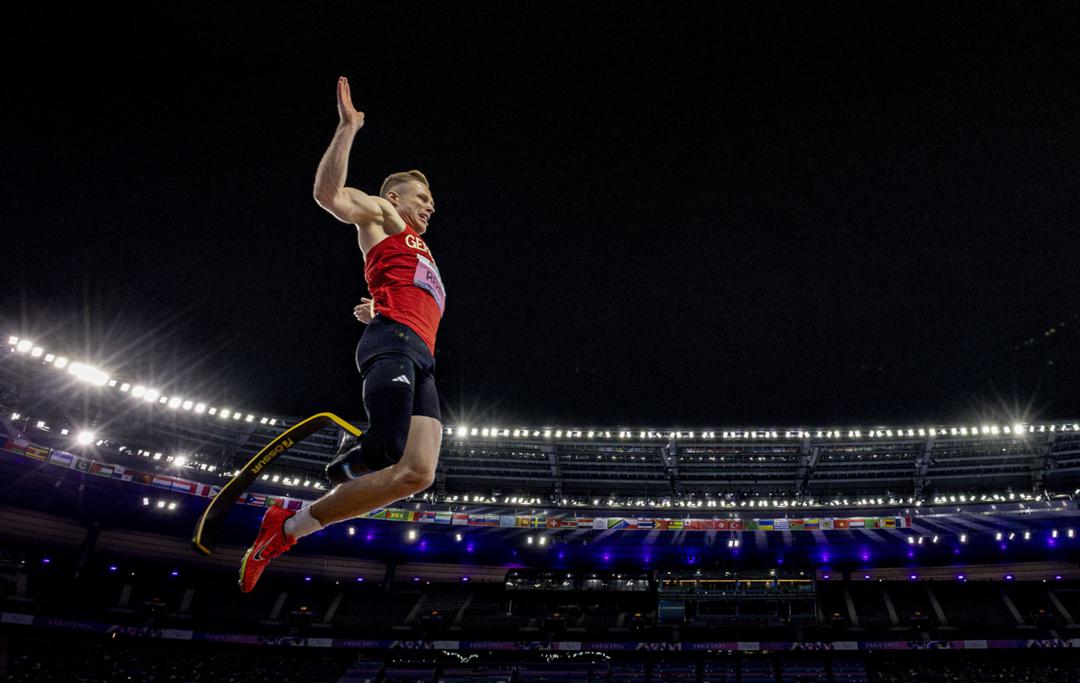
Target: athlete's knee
{"points": [[413, 478]]}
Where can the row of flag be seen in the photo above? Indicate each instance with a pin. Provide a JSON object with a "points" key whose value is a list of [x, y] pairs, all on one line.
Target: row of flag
{"points": [[543, 521]]}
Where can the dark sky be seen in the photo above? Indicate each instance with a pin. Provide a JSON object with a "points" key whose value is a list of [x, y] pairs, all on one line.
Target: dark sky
{"points": [[649, 214]]}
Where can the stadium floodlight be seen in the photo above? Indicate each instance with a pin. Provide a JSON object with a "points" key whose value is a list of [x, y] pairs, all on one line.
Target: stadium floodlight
{"points": [[139, 391], [543, 540], [224, 413], [145, 501], [249, 418], [273, 421], [412, 534], [175, 402], [151, 394], [529, 540], [161, 503], [37, 351], [24, 346], [237, 415], [172, 505], [85, 438], [1027, 535], [462, 431], [200, 408], [263, 420], [935, 539], [180, 460], [60, 362], [963, 538], [186, 405], [1054, 533], [1069, 533], [13, 340]]}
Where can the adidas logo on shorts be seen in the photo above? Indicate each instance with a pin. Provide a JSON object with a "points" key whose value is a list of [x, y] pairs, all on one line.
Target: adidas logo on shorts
{"points": [[402, 378]]}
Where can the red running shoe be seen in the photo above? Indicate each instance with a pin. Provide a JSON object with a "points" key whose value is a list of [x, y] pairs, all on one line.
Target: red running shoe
{"points": [[270, 543]]}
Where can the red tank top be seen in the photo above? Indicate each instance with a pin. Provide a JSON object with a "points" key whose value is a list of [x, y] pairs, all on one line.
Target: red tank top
{"points": [[405, 284]]}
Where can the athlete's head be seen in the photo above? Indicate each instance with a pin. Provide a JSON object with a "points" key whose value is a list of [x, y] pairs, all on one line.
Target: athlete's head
{"points": [[410, 194]]}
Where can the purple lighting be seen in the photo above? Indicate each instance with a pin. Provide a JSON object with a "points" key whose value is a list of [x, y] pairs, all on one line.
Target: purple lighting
{"points": [[866, 577], [1009, 577], [1057, 577], [464, 578], [359, 579], [174, 573], [469, 548], [961, 577], [607, 557], [112, 567], [825, 576], [370, 536], [913, 577], [307, 578], [45, 560]]}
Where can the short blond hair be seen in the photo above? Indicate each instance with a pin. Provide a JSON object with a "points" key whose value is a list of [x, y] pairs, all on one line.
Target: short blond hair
{"points": [[395, 179]]}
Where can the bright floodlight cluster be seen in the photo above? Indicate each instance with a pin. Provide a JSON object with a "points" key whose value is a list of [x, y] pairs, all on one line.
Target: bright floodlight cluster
{"points": [[97, 377]]}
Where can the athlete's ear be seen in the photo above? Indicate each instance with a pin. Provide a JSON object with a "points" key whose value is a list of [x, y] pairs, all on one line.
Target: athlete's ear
{"points": [[393, 198]]}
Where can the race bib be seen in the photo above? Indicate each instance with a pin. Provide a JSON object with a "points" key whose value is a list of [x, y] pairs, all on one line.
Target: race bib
{"points": [[427, 278]]}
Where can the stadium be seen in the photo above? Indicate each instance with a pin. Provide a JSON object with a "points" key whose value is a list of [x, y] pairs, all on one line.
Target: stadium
{"points": [[561, 553]]}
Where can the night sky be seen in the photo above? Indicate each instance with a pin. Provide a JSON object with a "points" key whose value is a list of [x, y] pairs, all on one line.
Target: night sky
{"points": [[649, 214]]}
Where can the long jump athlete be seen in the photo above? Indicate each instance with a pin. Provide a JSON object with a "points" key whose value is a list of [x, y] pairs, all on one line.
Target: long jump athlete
{"points": [[397, 455]]}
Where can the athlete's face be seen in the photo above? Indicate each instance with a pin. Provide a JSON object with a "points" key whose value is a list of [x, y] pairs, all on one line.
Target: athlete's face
{"points": [[414, 204]]}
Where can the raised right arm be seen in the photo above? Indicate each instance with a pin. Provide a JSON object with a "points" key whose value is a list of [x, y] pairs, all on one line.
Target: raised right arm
{"points": [[347, 204]]}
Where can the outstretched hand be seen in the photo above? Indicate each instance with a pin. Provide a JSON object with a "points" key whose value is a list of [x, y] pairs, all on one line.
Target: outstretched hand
{"points": [[346, 110], [365, 310]]}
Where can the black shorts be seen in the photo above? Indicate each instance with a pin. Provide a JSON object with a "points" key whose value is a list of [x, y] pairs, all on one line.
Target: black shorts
{"points": [[391, 354]]}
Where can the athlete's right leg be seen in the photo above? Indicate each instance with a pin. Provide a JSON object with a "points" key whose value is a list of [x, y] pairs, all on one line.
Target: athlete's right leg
{"points": [[389, 383]]}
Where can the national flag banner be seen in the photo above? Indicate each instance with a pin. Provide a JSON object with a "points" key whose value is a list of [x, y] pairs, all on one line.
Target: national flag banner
{"points": [[888, 523], [841, 523], [798, 524], [378, 513], [256, 499], [396, 515], [460, 519], [722, 525], [507, 521], [812, 524], [599, 523], [524, 521], [584, 522], [694, 524], [907, 522], [538, 521], [205, 491], [781, 524], [873, 523], [675, 525], [856, 523], [427, 517], [554, 523], [37, 453], [443, 517], [161, 482], [750, 525], [826, 524], [646, 524], [61, 458], [271, 501], [17, 446], [617, 523], [736, 525], [126, 473], [568, 523], [82, 464], [765, 525], [294, 504], [101, 469], [483, 520], [184, 486]]}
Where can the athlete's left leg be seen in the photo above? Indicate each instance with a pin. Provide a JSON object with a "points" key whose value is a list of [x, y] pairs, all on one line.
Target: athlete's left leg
{"points": [[412, 474]]}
